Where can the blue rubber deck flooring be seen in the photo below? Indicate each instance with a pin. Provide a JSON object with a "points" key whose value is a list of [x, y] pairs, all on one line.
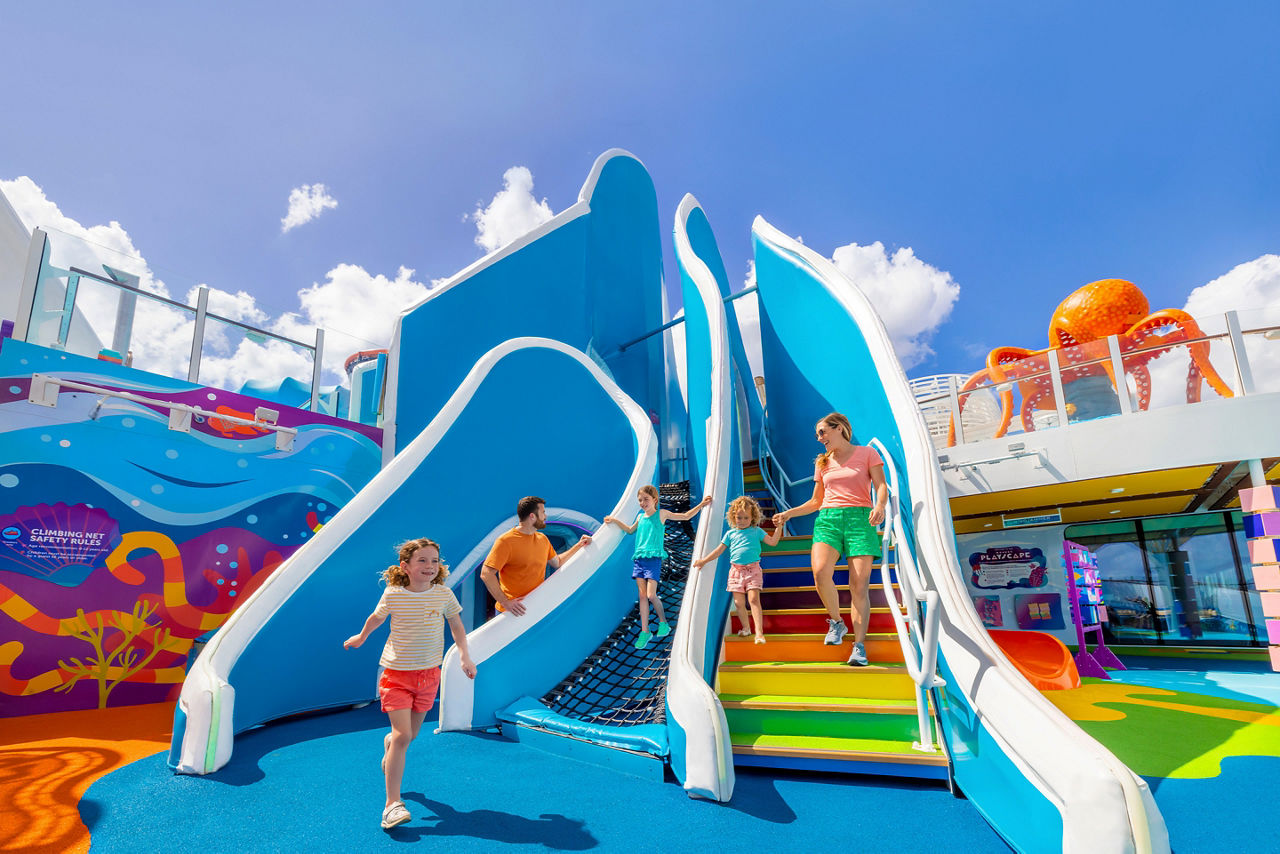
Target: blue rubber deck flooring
{"points": [[313, 784]]}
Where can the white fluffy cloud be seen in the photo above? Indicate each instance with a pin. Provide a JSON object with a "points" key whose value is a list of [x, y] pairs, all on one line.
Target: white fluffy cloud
{"points": [[912, 297], [162, 334], [1251, 289], [511, 213], [305, 204]]}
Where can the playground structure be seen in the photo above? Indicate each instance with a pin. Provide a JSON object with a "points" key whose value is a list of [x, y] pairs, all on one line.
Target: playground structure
{"points": [[591, 330], [1102, 330]]}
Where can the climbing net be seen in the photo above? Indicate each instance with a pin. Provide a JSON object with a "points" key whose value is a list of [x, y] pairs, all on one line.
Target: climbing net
{"points": [[619, 685]]}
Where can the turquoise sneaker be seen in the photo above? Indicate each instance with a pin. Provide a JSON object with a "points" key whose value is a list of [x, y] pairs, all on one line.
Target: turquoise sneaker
{"points": [[664, 629], [643, 640]]}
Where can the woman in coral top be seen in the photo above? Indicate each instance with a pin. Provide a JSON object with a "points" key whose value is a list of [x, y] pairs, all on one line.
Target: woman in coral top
{"points": [[844, 476]]}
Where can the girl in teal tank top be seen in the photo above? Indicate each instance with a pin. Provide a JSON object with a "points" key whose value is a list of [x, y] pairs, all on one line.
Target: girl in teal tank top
{"points": [[650, 528]]}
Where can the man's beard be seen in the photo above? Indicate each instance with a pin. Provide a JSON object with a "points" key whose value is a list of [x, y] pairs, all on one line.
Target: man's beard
{"points": [[539, 525]]}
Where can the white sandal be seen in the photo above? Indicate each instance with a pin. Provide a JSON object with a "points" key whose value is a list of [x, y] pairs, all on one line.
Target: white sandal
{"points": [[395, 815]]}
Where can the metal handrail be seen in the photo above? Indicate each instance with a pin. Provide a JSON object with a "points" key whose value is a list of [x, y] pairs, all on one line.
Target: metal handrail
{"points": [[44, 392], [767, 458], [920, 656]]}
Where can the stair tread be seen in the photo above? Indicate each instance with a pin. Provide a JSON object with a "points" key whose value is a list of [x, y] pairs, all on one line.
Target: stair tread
{"points": [[811, 589], [779, 612], [807, 638], [768, 562], [787, 701], [811, 667], [867, 749]]}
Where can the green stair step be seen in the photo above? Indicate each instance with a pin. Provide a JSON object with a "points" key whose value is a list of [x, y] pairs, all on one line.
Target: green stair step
{"points": [[849, 749], [826, 704], [875, 726]]}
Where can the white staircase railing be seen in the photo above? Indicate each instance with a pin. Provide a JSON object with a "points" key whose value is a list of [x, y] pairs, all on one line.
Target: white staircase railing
{"points": [[918, 637]]}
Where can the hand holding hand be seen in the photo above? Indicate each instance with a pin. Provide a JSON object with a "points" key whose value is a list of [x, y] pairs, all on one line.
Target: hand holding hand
{"points": [[352, 642], [779, 519]]}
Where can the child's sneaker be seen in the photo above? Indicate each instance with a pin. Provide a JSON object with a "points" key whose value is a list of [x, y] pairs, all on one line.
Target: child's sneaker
{"points": [[643, 640], [858, 657], [394, 816], [664, 629], [836, 631]]}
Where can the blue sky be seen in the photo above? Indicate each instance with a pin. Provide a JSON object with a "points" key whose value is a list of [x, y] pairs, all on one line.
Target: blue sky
{"points": [[1023, 149]]}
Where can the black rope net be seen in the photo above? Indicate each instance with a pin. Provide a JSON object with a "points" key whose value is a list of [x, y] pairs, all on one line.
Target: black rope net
{"points": [[619, 685]]}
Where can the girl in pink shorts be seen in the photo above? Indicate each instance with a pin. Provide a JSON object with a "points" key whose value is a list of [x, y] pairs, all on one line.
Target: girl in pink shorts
{"points": [[418, 604], [743, 541]]}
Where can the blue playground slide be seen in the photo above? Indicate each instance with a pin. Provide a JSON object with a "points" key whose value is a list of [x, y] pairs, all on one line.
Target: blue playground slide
{"points": [[700, 735], [1039, 780], [472, 426]]}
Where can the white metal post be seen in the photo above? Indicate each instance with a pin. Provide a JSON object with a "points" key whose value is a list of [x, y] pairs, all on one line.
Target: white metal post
{"points": [[1055, 379], [954, 391], [315, 370], [1117, 369], [1244, 374], [197, 336], [30, 281]]}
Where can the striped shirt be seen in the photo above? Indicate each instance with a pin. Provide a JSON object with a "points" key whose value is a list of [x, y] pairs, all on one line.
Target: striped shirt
{"points": [[417, 626]]}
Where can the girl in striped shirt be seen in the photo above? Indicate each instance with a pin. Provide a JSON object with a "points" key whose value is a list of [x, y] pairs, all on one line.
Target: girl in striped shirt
{"points": [[418, 604]]}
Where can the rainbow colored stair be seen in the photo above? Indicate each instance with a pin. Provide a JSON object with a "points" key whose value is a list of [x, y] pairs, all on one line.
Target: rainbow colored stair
{"points": [[754, 486], [794, 703]]}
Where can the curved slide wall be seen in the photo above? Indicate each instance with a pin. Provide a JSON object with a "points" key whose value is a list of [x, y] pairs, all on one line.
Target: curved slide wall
{"points": [[701, 752], [281, 651], [566, 616], [591, 277], [1041, 781]]}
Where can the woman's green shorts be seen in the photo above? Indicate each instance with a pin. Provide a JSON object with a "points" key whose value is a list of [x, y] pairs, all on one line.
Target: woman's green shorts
{"points": [[847, 530]]}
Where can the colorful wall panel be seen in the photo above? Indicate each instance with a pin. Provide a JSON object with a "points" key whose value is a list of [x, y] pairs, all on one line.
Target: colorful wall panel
{"points": [[123, 541]]}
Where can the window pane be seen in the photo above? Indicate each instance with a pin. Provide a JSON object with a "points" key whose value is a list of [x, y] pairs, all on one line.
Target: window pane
{"points": [[1191, 560]]}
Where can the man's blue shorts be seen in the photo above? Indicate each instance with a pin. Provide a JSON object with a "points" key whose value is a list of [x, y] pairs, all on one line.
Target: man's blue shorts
{"points": [[648, 568]]}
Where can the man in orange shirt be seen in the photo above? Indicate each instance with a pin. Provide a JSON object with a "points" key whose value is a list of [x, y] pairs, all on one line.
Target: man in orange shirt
{"points": [[517, 563]]}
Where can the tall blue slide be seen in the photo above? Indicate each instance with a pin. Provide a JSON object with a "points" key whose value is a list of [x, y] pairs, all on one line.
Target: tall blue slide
{"points": [[529, 372], [1039, 780]]}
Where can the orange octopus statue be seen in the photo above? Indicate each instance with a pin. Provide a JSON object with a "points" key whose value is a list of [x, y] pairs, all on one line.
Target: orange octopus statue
{"points": [[1078, 332]]}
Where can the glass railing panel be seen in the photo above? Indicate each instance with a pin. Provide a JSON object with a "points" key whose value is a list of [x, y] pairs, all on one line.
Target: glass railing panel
{"points": [[1087, 386], [1180, 373], [156, 335], [980, 412], [1261, 333], [255, 362]]}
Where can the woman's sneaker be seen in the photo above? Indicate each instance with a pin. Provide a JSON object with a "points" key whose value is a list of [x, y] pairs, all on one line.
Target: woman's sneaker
{"points": [[858, 657], [394, 816], [836, 631]]}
